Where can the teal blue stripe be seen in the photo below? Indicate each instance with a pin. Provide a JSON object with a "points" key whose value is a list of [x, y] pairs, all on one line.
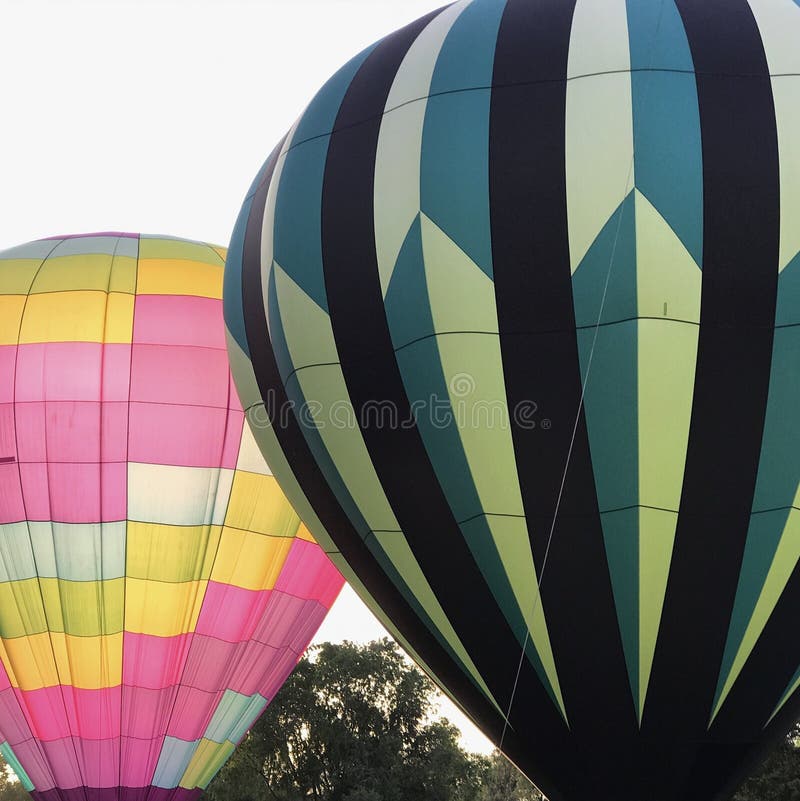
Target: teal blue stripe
{"points": [[407, 307], [763, 536], [409, 317], [787, 311], [616, 242], [12, 761], [610, 406], [316, 121], [779, 465], [611, 402], [621, 538], [466, 59], [232, 307], [608, 270], [172, 762], [454, 171], [797, 672], [253, 188], [320, 115], [425, 385], [298, 218], [666, 120], [298, 209], [657, 37]]}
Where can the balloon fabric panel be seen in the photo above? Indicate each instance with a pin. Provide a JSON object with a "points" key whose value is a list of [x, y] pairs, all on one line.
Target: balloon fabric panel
{"points": [[156, 588], [527, 277]]}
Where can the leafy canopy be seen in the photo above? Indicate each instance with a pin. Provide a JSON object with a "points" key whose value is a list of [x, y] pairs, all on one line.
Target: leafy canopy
{"points": [[354, 723]]}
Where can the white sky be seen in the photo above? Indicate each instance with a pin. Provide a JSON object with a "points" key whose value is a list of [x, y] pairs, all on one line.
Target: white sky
{"points": [[154, 116]]}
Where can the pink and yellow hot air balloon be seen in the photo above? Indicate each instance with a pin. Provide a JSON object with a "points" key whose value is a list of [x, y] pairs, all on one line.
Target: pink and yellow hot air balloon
{"points": [[156, 588]]}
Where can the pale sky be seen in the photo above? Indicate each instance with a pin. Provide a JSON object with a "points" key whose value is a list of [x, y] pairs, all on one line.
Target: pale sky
{"points": [[154, 116]]}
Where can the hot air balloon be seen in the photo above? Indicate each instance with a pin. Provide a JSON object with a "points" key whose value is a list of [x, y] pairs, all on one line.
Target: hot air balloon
{"points": [[526, 277], [156, 588]]}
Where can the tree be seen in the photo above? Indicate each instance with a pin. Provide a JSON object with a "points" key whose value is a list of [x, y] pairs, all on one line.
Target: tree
{"points": [[10, 788], [440, 770], [778, 779], [503, 782], [352, 723]]}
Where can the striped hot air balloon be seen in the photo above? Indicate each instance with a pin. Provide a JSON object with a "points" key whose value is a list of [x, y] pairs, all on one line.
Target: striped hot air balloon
{"points": [[156, 588], [526, 273]]}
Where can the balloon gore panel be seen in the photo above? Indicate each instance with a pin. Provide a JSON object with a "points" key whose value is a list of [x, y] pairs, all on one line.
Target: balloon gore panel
{"points": [[517, 303], [156, 587]]}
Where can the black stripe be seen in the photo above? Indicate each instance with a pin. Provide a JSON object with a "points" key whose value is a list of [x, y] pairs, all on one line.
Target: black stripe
{"points": [[737, 315], [766, 673], [371, 373], [315, 487], [530, 249], [740, 726]]}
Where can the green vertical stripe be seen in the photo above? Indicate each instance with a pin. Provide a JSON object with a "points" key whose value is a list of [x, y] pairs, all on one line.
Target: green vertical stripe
{"points": [[771, 549], [604, 292]]}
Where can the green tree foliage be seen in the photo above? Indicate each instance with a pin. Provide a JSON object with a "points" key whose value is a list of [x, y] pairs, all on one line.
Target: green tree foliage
{"points": [[352, 723], [10, 788], [503, 782], [778, 779]]}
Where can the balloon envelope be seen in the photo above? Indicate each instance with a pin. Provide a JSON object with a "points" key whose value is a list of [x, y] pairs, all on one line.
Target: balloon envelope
{"points": [[156, 588], [525, 275]]}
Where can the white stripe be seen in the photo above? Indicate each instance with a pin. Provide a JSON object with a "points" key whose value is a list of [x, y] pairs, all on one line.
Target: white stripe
{"points": [[268, 221], [79, 551], [70, 551], [250, 458], [178, 496], [16, 555]]}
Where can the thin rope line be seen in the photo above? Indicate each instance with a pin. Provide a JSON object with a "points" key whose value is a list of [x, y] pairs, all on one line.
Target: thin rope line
{"points": [[585, 382]]}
